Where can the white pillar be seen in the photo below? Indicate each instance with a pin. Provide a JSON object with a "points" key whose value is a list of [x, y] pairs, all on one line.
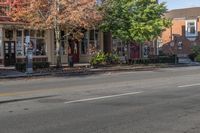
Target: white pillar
{"points": [[1, 41], [50, 45]]}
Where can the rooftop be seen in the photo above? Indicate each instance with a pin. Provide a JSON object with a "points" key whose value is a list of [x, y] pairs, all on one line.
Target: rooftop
{"points": [[187, 13]]}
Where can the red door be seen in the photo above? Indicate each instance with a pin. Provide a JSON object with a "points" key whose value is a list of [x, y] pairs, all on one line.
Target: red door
{"points": [[134, 51], [73, 50]]}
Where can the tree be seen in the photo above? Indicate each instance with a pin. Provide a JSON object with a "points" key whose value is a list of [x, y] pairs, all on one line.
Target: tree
{"points": [[134, 20], [68, 15]]}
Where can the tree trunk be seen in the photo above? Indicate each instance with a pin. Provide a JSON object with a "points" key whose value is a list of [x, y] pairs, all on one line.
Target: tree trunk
{"points": [[58, 47]]}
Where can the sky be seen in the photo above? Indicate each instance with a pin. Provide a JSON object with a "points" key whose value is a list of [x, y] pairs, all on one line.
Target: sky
{"points": [[177, 4]]}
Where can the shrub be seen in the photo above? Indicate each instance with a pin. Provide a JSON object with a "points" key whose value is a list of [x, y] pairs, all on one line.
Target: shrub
{"points": [[192, 56], [20, 67], [160, 59], [195, 52], [101, 59], [197, 58], [112, 58]]}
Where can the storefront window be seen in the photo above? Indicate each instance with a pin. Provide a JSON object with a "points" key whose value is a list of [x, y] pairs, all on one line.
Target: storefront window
{"points": [[93, 44], [19, 45], [40, 33], [63, 47], [26, 32], [121, 49], [1, 42], [84, 44], [32, 33], [145, 51], [118, 47], [40, 47], [63, 42], [37, 42], [9, 34]]}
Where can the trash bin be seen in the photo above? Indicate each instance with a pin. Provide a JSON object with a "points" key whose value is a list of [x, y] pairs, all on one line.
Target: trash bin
{"points": [[70, 61]]}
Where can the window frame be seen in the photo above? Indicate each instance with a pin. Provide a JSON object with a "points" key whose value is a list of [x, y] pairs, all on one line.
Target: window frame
{"points": [[34, 38], [188, 34]]}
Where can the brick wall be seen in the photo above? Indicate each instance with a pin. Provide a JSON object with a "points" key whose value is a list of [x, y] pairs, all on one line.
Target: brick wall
{"points": [[176, 34]]}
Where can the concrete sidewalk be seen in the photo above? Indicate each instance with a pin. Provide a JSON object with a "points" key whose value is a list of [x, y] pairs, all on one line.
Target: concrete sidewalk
{"points": [[83, 69]]}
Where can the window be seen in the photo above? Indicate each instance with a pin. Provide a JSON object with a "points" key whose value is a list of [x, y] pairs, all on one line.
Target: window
{"points": [[119, 47], [37, 41], [19, 46], [146, 51], [84, 44], [180, 45], [191, 28], [93, 43], [63, 42], [90, 43], [8, 34]]}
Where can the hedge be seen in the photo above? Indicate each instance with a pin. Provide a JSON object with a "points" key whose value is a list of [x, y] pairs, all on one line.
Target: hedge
{"points": [[36, 65], [160, 59]]}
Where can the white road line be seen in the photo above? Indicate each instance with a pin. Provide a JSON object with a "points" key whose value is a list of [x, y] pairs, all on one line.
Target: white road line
{"points": [[103, 97], [198, 84]]}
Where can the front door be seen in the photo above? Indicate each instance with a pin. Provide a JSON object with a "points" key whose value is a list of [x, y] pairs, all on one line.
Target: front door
{"points": [[134, 51], [73, 50], [9, 53]]}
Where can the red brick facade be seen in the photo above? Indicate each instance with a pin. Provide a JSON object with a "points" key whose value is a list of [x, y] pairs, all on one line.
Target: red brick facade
{"points": [[175, 40]]}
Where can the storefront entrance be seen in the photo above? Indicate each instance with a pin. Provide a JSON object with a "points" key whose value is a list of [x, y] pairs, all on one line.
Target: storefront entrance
{"points": [[9, 53], [134, 51], [73, 50]]}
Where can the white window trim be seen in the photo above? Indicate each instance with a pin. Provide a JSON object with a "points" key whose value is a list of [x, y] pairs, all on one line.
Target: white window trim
{"points": [[186, 27]]}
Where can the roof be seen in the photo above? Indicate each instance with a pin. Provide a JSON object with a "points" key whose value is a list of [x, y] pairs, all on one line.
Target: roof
{"points": [[187, 13]]}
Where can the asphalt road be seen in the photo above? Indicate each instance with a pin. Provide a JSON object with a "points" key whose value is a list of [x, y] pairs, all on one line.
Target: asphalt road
{"points": [[160, 101]]}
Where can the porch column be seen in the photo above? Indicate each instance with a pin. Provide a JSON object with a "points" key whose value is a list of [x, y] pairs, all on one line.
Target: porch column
{"points": [[50, 46], [1, 45], [1, 42]]}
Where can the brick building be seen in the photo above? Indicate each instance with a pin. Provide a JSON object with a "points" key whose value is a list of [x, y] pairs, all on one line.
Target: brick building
{"points": [[183, 34]]}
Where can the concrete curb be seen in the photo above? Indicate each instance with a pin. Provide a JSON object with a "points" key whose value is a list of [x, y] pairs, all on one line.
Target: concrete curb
{"points": [[92, 71], [78, 73]]}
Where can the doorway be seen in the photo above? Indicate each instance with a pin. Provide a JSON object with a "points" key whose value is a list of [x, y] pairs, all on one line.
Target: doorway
{"points": [[73, 50], [9, 53]]}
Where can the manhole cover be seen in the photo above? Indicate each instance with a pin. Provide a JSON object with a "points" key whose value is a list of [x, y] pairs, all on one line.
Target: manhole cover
{"points": [[58, 100]]}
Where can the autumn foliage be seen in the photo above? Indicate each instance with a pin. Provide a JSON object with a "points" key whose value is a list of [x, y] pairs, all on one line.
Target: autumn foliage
{"points": [[66, 13], [70, 16]]}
